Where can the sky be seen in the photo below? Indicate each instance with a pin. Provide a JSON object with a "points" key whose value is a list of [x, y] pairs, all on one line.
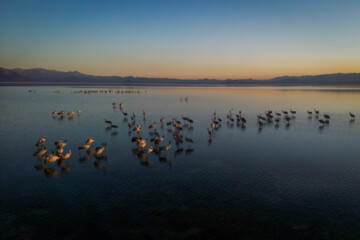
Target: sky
{"points": [[257, 39]]}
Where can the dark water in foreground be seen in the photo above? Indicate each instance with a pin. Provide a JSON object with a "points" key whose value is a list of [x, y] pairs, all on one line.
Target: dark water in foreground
{"points": [[291, 182]]}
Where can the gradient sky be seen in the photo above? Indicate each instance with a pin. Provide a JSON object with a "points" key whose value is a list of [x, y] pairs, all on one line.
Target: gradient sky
{"points": [[182, 39]]}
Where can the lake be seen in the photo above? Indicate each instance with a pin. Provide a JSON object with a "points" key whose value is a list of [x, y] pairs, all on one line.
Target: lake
{"points": [[291, 181]]}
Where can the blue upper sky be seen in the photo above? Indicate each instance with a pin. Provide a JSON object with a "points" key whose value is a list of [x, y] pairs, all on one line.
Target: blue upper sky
{"points": [[184, 39]]}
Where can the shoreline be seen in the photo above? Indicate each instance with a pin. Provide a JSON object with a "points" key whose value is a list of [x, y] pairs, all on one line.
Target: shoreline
{"points": [[150, 84]]}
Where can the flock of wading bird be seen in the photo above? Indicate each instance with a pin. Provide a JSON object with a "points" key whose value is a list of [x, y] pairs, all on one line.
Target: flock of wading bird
{"points": [[55, 162], [143, 147], [157, 147], [61, 115], [288, 116], [101, 91]]}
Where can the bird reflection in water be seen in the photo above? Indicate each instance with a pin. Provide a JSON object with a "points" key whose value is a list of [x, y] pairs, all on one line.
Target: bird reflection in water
{"points": [[85, 159], [178, 151], [189, 151], [143, 158], [164, 159], [99, 164], [55, 164], [46, 162]]}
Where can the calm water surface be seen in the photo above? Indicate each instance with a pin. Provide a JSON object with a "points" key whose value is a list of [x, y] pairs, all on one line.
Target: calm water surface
{"points": [[291, 182]]}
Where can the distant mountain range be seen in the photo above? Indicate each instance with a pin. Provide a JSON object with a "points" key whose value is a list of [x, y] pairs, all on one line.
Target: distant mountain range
{"points": [[44, 76]]}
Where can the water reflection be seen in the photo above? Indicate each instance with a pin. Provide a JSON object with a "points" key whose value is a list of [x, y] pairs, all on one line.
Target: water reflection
{"points": [[54, 163], [241, 175]]}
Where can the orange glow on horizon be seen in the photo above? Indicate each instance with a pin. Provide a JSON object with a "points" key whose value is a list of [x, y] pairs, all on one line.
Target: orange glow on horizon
{"points": [[255, 69]]}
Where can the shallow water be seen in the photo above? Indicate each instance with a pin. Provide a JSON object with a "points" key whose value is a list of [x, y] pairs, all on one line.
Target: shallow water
{"points": [[291, 182]]}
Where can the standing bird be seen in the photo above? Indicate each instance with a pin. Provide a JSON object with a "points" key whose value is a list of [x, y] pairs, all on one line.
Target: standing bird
{"points": [[100, 149], [243, 120], [113, 126], [152, 125], [108, 121], [210, 132], [41, 151], [84, 147], [67, 156], [189, 140], [277, 120], [53, 159], [41, 141], [165, 148], [61, 144], [287, 118], [60, 151], [141, 143], [90, 141]]}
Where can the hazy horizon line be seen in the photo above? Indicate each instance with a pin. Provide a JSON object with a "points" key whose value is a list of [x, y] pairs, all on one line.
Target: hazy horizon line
{"points": [[178, 78]]}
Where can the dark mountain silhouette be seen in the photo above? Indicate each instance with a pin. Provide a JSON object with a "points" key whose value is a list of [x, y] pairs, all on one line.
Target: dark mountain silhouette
{"points": [[39, 75]]}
